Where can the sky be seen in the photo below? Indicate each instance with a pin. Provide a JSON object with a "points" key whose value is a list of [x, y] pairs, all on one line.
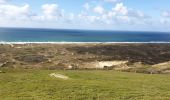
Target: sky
{"points": [[133, 15]]}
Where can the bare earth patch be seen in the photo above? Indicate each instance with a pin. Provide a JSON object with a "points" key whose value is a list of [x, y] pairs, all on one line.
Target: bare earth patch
{"points": [[59, 76]]}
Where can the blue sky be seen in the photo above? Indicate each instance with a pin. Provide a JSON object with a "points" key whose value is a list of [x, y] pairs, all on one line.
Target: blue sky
{"points": [[135, 15]]}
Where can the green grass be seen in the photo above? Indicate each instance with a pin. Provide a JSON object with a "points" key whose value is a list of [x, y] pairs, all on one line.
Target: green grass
{"points": [[83, 85]]}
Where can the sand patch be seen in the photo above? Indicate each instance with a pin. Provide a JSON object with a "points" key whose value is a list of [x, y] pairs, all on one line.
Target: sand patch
{"points": [[103, 64], [162, 64], [59, 76]]}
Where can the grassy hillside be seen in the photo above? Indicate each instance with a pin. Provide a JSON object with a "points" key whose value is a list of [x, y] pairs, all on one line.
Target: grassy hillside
{"points": [[82, 85]]}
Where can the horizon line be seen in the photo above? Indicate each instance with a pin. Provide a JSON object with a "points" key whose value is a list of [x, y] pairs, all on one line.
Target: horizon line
{"points": [[81, 29], [152, 42]]}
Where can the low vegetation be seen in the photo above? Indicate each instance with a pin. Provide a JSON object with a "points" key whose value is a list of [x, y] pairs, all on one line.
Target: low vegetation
{"points": [[138, 58], [82, 85]]}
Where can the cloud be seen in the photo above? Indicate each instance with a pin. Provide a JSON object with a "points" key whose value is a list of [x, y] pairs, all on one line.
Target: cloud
{"points": [[11, 12], [99, 10], [50, 9], [122, 14], [118, 14], [91, 15], [51, 12], [88, 19], [164, 21], [3, 1], [165, 17], [112, 1], [120, 9], [138, 14], [86, 6], [166, 13]]}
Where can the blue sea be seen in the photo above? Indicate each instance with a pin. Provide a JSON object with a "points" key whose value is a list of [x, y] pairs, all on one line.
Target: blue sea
{"points": [[68, 35]]}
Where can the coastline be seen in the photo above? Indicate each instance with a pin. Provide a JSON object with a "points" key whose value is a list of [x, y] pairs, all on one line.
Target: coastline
{"points": [[84, 42]]}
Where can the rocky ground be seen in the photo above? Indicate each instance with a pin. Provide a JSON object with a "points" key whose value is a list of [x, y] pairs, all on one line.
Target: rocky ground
{"points": [[142, 58]]}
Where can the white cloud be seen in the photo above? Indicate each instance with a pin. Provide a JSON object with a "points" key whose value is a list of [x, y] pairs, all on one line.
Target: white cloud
{"points": [[9, 12], [86, 6], [137, 14], [3, 1], [120, 9], [51, 12], [123, 18], [98, 9], [112, 1], [166, 14], [165, 17], [86, 18], [118, 14], [50, 9], [71, 16], [164, 21]]}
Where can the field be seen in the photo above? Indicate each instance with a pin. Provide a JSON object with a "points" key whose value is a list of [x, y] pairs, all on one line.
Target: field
{"points": [[82, 85], [85, 72]]}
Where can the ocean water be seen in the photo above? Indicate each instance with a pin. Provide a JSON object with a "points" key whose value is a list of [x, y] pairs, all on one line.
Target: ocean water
{"points": [[62, 35]]}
